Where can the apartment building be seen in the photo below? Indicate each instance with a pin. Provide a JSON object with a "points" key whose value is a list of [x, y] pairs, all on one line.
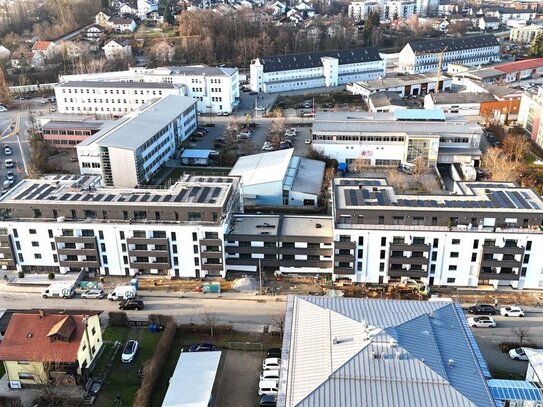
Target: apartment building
{"points": [[399, 9], [109, 99], [485, 233], [389, 138], [359, 10], [525, 35], [529, 114], [282, 73], [215, 88], [423, 56], [128, 153], [290, 244], [70, 223]]}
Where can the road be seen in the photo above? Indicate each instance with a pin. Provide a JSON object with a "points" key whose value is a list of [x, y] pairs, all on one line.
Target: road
{"points": [[185, 310]]}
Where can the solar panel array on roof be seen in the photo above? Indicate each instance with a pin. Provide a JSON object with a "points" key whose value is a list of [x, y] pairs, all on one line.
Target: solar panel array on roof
{"points": [[514, 390]]}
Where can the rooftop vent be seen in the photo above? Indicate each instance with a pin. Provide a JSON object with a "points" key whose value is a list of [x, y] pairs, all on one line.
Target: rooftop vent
{"points": [[451, 362], [29, 335]]}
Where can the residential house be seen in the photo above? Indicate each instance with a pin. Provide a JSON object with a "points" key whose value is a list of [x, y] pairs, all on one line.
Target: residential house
{"points": [[489, 23], [505, 14], [279, 8], [122, 25], [117, 50], [4, 52], [102, 19], [27, 60], [145, 7], [41, 346], [446, 8], [127, 9], [94, 32], [47, 48], [155, 16]]}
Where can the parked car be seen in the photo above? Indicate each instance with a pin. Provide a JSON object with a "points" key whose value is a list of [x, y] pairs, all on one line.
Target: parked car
{"points": [[131, 304], [11, 178], [3, 108], [93, 294], [267, 400], [7, 150], [271, 364], [269, 375], [129, 351], [202, 347], [9, 163], [253, 93], [260, 108], [482, 309], [273, 353], [482, 322], [307, 141], [518, 354], [512, 311], [269, 387]]}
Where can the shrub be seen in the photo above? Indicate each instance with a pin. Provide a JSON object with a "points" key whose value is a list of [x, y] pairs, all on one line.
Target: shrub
{"points": [[51, 276], [158, 319], [9, 401], [154, 368], [117, 318], [21, 274], [505, 347]]}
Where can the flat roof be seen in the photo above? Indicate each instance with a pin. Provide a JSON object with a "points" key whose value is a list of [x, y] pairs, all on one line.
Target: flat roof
{"points": [[309, 176], [398, 81], [87, 189], [77, 125], [193, 378], [462, 97], [195, 153], [117, 84], [136, 128], [263, 168], [351, 193], [281, 225]]}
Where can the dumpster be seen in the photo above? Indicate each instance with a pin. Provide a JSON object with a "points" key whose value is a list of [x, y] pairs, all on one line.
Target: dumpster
{"points": [[134, 283], [214, 288]]}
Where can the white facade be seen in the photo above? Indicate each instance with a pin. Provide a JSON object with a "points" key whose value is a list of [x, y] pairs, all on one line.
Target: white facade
{"points": [[313, 70], [426, 8], [109, 99], [359, 10], [414, 85], [525, 35], [133, 150], [146, 6], [114, 51], [423, 56], [399, 8], [513, 14], [217, 89]]}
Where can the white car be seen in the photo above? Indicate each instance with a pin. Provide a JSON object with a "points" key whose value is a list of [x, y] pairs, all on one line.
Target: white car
{"points": [[269, 375], [482, 322], [94, 294], [271, 364], [518, 354], [9, 163], [129, 351], [7, 150], [511, 312], [3, 108], [268, 387], [260, 108], [307, 141]]}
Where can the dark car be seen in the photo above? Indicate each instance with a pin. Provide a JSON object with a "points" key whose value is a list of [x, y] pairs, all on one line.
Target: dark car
{"points": [[131, 304], [268, 400], [253, 93], [273, 353], [482, 309], [202, 347]]}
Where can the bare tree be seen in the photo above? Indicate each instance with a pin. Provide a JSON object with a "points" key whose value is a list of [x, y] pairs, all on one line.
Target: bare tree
{"points": [[500, 165], [522, 334], [420, 166], [277, 126], [516, 146], [428, 183], [398, 180], [278, 321], [210, 321], [5, 94]]}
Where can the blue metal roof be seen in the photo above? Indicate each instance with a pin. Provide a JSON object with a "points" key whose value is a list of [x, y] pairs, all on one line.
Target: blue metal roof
{"points": [[420, 114], [514, 390]]}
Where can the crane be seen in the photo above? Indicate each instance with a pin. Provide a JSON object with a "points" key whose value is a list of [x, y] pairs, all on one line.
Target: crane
{"points": [[439, 67]]}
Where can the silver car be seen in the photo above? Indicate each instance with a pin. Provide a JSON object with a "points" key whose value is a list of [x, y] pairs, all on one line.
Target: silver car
{"points": [[93, 294]]}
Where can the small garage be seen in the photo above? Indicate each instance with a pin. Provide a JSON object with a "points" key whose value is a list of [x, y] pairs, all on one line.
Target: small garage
{"points": [[196, 157]]}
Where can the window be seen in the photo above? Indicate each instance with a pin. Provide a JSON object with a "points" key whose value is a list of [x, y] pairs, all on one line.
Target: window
{"points": [[32, 231], [361, 240], [381, 220], [433, 268], [194, 236], [174, 236], [196, 261], [526, 258], [454, 254], [382, 255], [101, 234], [435, 244], [15, 234], [473, 256], [195, 216], [476, 243], [434, 256], [35, 244], [195, 249], [451, 280], [93, 330], [383, 241], [121, 234], [26, 376], [381, 266], [37, 213], [529, 245], [37, 256], [453, 267], [456, 241]]}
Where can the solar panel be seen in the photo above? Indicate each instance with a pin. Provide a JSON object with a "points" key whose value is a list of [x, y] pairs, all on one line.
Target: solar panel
{"points": [[514, 390], [46, 192], [380, 199], [203, 195], [108, 198], [182, 195], [347, 196], [194, 191], [155, 198], [145, 198], [216, 192], [133, 198], [520, 199], [87, 197], [75, 197], [64, 197], [36, 191], [167, 198], [98, 197]]}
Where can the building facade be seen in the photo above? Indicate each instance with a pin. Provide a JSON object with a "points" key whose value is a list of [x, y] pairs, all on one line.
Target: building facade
{"points": [[359, 10], [317, 69], [130, 152], [70, 223], [529, 115], [215, 88], [109, 99], [423, 56], [387, 139], [67, 134], [525, 35]]}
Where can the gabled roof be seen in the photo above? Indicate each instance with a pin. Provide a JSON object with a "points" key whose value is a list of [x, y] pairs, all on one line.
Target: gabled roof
{"points": [[489, 19], [262, 168], [520, 65], [121, 21], [28, 337], [348, 352], [313, 59], [453, 44], [41, 45]]}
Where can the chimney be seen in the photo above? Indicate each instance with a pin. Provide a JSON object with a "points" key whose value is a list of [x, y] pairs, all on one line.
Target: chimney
{"points": [[41, 313]]}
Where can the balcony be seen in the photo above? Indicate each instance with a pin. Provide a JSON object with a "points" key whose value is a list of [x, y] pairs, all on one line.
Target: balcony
{"points": [[345, 245], [501, 263], [211, 255], [344, 258], [503, 250], [77, 252], [415, 273], [145, 265], [147, 240], [210, 242], [405, 247], [252, 262], [75, 239], [343, 270], [251, 249], [408, 260], [325, 251], [324, 264], [79, 263], [212, 267], [498, 276]]}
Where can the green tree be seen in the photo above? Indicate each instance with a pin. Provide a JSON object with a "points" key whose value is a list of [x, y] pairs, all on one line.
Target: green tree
{"points": [[168, 16], [105, 4], [536, 50]]}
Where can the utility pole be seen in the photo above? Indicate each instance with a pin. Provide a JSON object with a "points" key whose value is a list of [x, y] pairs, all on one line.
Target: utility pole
{"points": [[260, 276], [439, 66]]}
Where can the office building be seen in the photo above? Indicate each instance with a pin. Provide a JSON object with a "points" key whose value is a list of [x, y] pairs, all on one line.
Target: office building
{"points": [[67, 134], [70, 223], [282, 73], [390, 138], [215, 88], [128, 153], [348, 352], [423, 56], [462, 103]]}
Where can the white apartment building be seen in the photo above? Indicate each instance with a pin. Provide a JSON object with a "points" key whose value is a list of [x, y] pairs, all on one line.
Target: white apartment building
{"points": [[215, 88], [423, 56], [387, 139], [525, 35], [486, 233], [426, 8], [399, 8], [69, 223], [530, 113], [129, 153], [505, 14], [109, 99], [359, 10], [282, 73]]}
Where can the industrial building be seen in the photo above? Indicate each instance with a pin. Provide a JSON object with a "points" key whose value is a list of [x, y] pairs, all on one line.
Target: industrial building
{"points": [[129, 153], [348, 352], [279, 178], [282, 73], [390, 138], [462, 103]]}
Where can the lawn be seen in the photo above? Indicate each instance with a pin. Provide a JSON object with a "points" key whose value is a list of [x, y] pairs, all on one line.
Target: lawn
{"points": [[123, 378]]}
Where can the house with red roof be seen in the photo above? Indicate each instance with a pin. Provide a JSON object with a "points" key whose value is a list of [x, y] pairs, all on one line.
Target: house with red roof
{"points": [[46, 48], [40, 346], [521, 70]]}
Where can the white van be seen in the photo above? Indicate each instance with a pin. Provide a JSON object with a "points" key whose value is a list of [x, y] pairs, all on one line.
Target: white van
{"points": [[268, 387], [269, 375], [123, 292], [59, 290]]}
